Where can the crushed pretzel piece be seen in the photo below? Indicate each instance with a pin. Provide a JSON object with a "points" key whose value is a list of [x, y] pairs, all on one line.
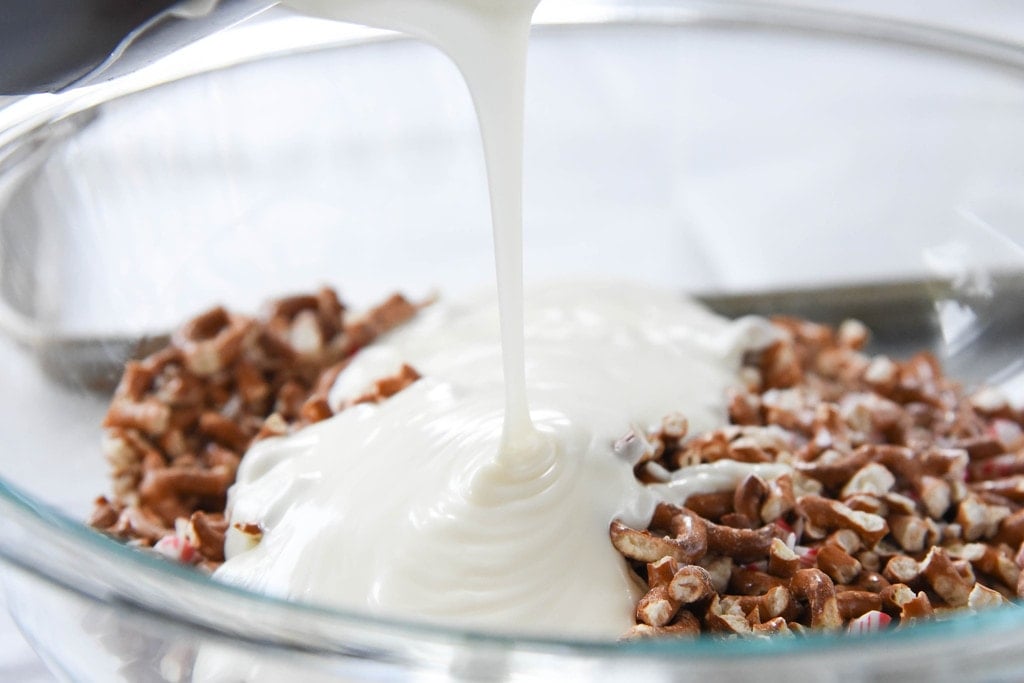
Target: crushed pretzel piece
{"points": [[938, 569], [818, 590], [690, 584], [777, 601], [686, 625], [782, 561], [983, 597], [908, 605], [688, 542], [978, 519], [840, 566], [902, 569], [719, 620], [743, 545], [832, 514], [206, 533], [854, 603]]}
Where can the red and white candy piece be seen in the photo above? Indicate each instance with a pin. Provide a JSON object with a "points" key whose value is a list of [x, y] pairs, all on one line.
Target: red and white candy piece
{"points": [[177, 548], [869, 622]]}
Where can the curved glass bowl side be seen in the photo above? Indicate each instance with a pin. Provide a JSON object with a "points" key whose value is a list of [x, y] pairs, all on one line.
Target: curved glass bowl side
{"points": [[98, 590]]}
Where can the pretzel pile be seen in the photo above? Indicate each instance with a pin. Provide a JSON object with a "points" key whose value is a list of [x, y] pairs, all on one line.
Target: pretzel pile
{"points": [[904, 499], [181, 419]]}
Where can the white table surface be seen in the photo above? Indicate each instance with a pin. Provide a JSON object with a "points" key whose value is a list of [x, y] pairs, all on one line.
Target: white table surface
{"points": [[1002, 18]]}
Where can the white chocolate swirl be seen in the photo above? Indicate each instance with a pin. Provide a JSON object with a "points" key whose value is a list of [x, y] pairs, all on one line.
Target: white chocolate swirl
{"points": [[403, 507]]}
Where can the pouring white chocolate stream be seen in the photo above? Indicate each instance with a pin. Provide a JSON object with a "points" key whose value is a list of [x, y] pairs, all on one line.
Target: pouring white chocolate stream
{"points": [[457, 500], [487, 41]]}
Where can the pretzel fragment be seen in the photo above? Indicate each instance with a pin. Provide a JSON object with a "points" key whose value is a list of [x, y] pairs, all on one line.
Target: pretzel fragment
{"points": [[854, 603], [717, 619], [818, 590], [687, 543], [941, 573], [831, 515], [686, 625], [691, 584], [907, 604], [743, 545], [982, 597], [839, 565], [776, 602], [782, 561]]}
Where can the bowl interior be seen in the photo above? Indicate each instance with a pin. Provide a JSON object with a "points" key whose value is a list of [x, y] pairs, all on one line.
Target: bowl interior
{"points": [[769, 169]]}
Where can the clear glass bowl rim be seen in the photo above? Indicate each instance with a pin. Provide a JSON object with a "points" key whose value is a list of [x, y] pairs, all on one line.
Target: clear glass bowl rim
{"points": [[71, 533]]}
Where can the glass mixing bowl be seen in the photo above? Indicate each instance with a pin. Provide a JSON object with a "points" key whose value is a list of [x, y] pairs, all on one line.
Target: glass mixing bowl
{"points": [[767, 159]]}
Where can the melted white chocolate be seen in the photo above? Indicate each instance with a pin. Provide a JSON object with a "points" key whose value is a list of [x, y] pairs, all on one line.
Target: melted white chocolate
{"points": [[402, 507], [459, 500]]}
